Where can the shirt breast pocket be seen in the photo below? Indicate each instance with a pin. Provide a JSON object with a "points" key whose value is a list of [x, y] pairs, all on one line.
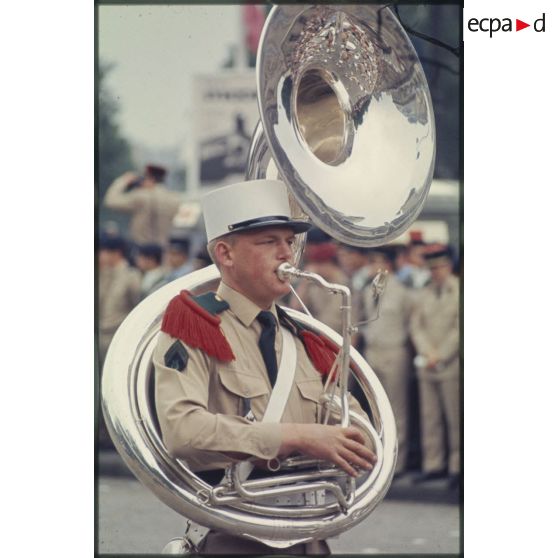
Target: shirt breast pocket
{"points": [[310, 391], [242, 391]]}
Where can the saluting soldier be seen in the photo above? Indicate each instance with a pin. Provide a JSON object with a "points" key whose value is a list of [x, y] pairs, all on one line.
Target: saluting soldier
{"points": [[435, 333], [151, 204], [217, 358]]}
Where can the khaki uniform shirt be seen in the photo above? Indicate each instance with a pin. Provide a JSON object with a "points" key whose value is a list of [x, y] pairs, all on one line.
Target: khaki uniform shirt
{"points": [[152, 209], [435, 326], [391, 329], [119, 293], [202, 409]]}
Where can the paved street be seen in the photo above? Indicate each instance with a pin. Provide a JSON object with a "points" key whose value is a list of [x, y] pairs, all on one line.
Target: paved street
{"points": [[132, 520]]}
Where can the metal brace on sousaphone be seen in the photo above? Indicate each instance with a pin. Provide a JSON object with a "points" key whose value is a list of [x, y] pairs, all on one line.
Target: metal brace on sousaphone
{"points": [[347, 123]]}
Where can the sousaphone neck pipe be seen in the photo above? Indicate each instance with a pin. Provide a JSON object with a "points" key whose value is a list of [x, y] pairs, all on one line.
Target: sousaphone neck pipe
{"points": [[285, 271]]}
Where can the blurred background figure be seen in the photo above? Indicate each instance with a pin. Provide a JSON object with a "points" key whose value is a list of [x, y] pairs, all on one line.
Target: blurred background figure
{"points": [[354, 263], [151, 204], [411, 268], [435, 334], [320, 256], [387, 345], [119, 292], [177, 258], [119, 288], [201, 259], [149, 259]]}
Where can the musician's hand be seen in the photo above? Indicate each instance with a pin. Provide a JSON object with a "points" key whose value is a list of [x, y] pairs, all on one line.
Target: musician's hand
{"points": [[342, 446]]}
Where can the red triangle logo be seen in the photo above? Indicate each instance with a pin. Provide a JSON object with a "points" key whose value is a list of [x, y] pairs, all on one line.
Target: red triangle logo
{"points": [[519, 25]]}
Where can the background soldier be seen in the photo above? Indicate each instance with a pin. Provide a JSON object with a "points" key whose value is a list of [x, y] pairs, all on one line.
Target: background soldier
{"points": [[354, 261], [149, 258], [435, 333], [412, 270], [217, 357], [177, 258], [119, 292], [119, 288], [150, 203], [320, 256], [387, 342]]}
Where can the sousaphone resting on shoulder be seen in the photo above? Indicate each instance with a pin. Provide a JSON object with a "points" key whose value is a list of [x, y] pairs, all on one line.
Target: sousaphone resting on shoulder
{"points": [[346, 121]]}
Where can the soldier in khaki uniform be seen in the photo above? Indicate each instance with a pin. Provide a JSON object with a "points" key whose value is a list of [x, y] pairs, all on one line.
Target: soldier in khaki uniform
{"points": [[119, 292], [149, 201], [387, 342], [148, 260], [435, 333], [119, 289], [212, 391]]}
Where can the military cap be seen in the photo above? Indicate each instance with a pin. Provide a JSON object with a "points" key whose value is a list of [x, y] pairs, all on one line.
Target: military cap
{"points": [[154, 251], [387, 251], [249, 205], [182, 244], [437, 254], [415, 238], [112, 242], [317, 236], [319, 246]]}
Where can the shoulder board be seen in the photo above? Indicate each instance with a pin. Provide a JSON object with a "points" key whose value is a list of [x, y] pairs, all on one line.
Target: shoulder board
{"points": [[194, 320], [321, 351], [211, 302]]}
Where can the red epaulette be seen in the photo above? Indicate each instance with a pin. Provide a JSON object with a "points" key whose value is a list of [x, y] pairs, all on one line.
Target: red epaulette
{"points": [[186, 320], [321, 351]]}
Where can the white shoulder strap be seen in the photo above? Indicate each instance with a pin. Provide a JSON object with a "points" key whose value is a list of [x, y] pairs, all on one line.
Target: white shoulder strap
{"points": [[278, 399], [285, 376]]}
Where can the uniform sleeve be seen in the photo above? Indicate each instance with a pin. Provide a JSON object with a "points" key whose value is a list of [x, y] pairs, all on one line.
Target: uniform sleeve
{"points": [[117, 198], [190, 431]]}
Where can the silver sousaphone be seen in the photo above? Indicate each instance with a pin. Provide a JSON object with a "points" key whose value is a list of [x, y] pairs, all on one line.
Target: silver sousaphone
{"points": [[347, 123]]}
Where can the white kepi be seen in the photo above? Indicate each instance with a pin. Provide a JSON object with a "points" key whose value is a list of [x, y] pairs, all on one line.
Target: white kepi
{"points": [[248, 205]]}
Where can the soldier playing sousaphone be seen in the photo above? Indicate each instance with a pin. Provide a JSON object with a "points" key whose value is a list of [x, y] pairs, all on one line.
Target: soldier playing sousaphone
{"points": [[222, 359]]}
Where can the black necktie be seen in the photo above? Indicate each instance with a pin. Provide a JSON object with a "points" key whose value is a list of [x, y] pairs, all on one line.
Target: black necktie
{"points": [[267, 344]]}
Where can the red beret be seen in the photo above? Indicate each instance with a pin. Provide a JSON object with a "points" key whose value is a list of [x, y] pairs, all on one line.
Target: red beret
{"points": [[156, 171], [324, 252]]}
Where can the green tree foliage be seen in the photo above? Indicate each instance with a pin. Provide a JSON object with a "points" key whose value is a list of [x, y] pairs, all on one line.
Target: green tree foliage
{"points": [[113, 150]]}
